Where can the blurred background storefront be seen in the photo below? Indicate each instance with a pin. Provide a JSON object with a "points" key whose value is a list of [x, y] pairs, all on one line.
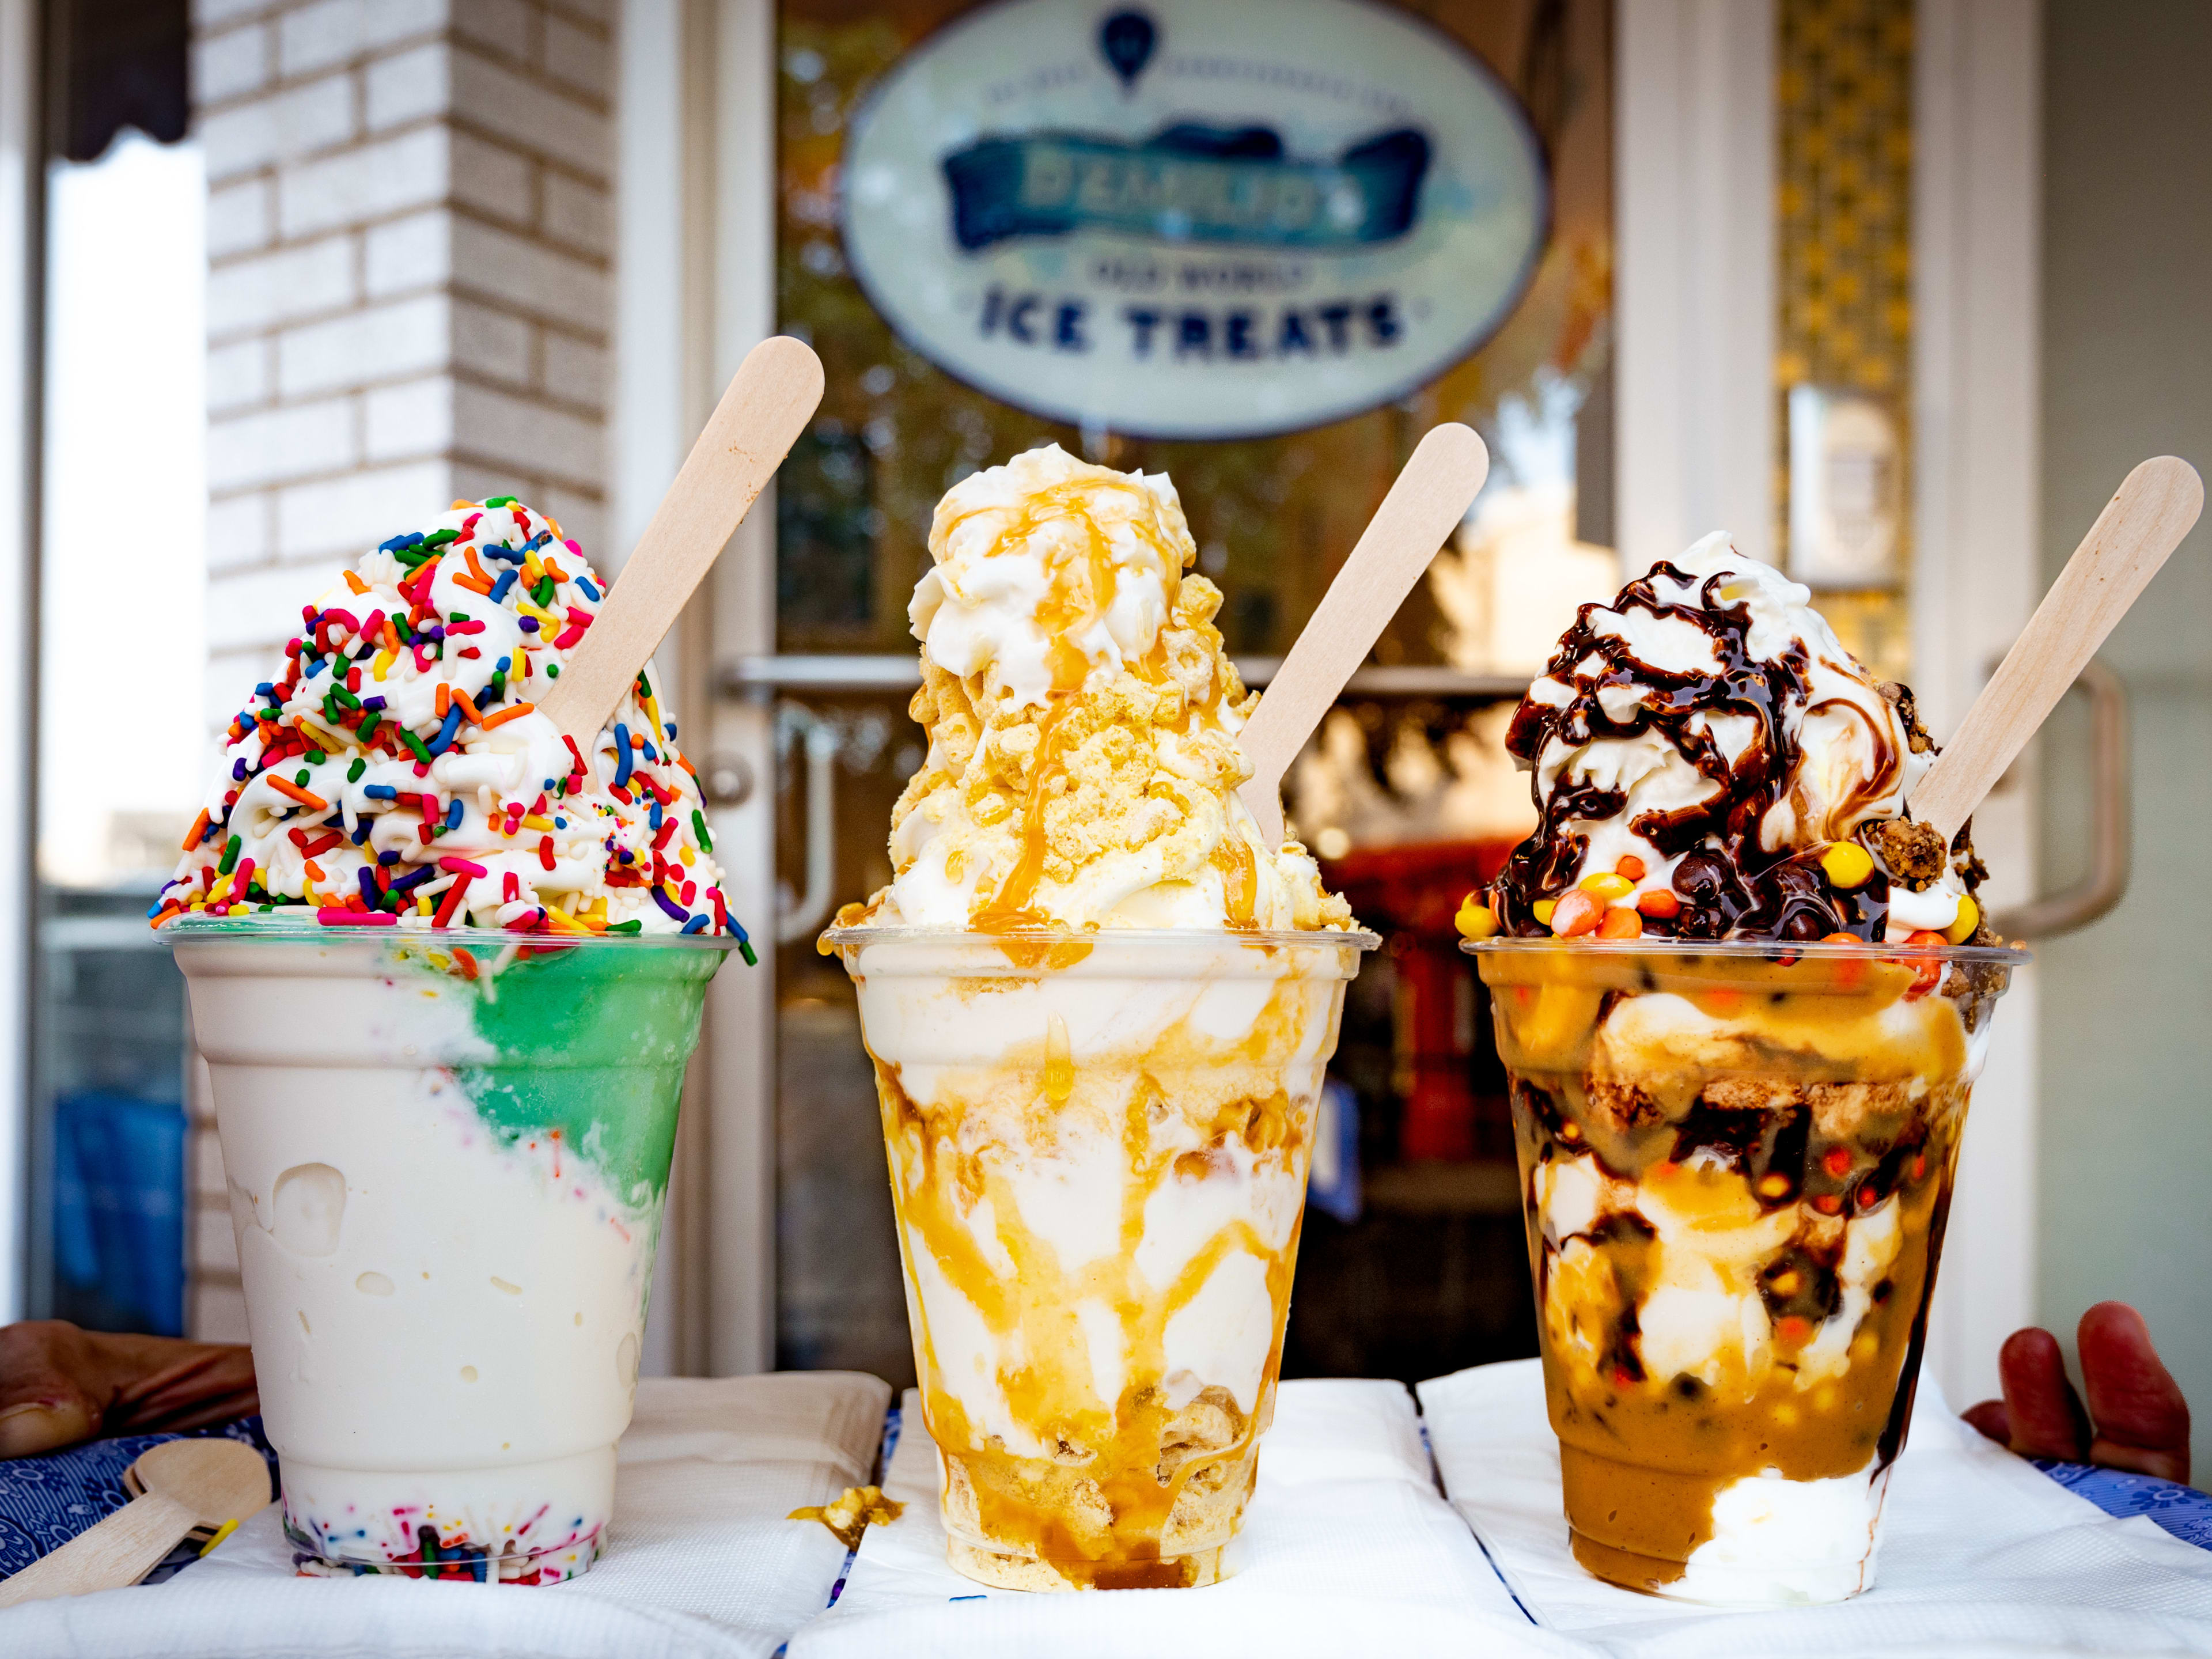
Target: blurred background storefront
{"points": [[1883, 287]]}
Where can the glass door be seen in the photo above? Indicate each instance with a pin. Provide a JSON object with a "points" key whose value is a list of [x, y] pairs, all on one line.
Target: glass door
{"points": [[1414, 1260]]}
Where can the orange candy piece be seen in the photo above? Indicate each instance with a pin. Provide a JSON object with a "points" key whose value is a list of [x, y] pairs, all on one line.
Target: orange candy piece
{"points": [[1928, 970], [1630, 865], [1620, 922], [1660, 903], [1576, 912]]}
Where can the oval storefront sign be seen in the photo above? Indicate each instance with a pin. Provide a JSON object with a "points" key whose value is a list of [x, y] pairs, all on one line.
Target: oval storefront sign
{"points": [[1195, 218]]}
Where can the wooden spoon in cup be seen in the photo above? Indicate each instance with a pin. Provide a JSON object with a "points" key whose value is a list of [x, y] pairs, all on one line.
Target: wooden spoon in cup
{"points": [[1430, 496], [2145, 521], [769, 401]]}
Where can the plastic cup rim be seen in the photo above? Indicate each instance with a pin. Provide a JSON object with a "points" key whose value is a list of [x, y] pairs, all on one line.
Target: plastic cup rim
{"points": [[1750, 949], [482, 941], [1317, 937]]}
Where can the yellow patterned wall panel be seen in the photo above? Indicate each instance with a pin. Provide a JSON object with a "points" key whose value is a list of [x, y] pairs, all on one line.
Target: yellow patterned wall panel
{"points": [[1843, 208]]}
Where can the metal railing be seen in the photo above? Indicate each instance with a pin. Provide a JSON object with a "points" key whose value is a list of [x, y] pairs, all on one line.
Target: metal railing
{"points": [[2076, 906]]}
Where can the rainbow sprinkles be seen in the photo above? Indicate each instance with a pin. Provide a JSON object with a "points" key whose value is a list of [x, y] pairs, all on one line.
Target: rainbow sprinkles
{"points": [[398, 775]]}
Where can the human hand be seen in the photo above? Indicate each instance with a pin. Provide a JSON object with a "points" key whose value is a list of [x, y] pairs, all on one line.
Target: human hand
{"points": [[59, 1385], [2136, 1419]]}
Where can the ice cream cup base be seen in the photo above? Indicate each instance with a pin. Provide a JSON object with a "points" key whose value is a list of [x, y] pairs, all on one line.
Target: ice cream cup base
{"points": [[538, 1522], [1029, 1572], [1817, 1585]]}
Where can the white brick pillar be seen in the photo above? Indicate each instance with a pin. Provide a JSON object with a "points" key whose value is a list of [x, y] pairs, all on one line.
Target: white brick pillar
{"points": [[409, 300], [408, 290]]}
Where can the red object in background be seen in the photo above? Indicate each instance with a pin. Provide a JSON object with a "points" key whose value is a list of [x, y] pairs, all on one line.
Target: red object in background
{"points": [[1410, 895]]}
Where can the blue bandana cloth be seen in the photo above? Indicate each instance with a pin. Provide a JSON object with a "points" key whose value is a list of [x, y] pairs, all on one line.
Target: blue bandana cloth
{"points": [[2182, 1510]]}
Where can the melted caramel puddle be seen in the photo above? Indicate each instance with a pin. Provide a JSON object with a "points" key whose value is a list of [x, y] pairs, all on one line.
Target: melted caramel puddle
{"points": [[1132, 1490], [1744, 1165]]}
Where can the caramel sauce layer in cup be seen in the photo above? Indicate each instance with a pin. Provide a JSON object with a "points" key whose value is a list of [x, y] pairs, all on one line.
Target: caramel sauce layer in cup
{"points": [[1098, 1226]]}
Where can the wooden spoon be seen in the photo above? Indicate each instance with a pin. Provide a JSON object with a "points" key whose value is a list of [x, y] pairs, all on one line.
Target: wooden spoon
{"points": [[188, 1483], [1426, 504], [2144, 521], [769, 401]]}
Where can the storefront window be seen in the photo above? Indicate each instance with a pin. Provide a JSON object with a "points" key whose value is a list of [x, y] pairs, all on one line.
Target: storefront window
{"points": [[122, 739], [1271, 517]]}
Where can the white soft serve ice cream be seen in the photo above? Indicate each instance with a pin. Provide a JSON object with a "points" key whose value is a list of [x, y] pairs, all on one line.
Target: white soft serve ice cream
{"points": [[1098, 1131], [446, 1191], [1707, 737], [1082, 718]]}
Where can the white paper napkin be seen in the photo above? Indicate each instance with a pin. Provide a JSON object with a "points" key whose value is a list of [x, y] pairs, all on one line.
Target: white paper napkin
{"points": [[701, 1563], [1980, 1553], [1348, 1548]]}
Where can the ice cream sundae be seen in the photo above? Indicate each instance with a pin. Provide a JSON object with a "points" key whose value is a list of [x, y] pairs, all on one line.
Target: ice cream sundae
{"points": [[1742, 997], [1099, 1007], [446, 969]]}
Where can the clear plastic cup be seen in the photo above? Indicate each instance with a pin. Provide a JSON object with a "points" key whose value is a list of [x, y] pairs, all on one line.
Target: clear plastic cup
{"points": [[1736, 1161], [1098, 1147], [447, 1155]]}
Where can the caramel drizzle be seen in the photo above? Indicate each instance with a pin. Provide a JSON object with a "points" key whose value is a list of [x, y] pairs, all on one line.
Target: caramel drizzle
{"points": [[1030, 1506], [1070, 607], [1080, 594], [1012, 902], [1240, 880]]}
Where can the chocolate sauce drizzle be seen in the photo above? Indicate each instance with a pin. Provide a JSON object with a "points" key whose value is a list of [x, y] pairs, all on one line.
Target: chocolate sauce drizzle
{"points": [[1728, 884]]}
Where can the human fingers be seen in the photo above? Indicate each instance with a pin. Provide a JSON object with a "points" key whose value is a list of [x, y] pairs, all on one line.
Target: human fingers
{"points": [[1989, 1419], [186, 1385], [2141, 1418], [2042, 1413], [49, 1391]]}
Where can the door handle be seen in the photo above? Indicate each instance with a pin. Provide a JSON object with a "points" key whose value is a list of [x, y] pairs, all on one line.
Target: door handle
{"points": [[819, 738], [2110, 850]]}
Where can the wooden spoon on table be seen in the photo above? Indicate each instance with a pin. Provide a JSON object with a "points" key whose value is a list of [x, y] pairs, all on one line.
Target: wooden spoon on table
{"points": [[1430, 496], [769, 401], [2145, 521], [189, 1484]]}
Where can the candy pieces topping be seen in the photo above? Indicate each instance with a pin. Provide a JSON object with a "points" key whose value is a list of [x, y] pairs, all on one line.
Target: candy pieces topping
{"points": [[1847, 865], [1578, 912], [1475, 919]]}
